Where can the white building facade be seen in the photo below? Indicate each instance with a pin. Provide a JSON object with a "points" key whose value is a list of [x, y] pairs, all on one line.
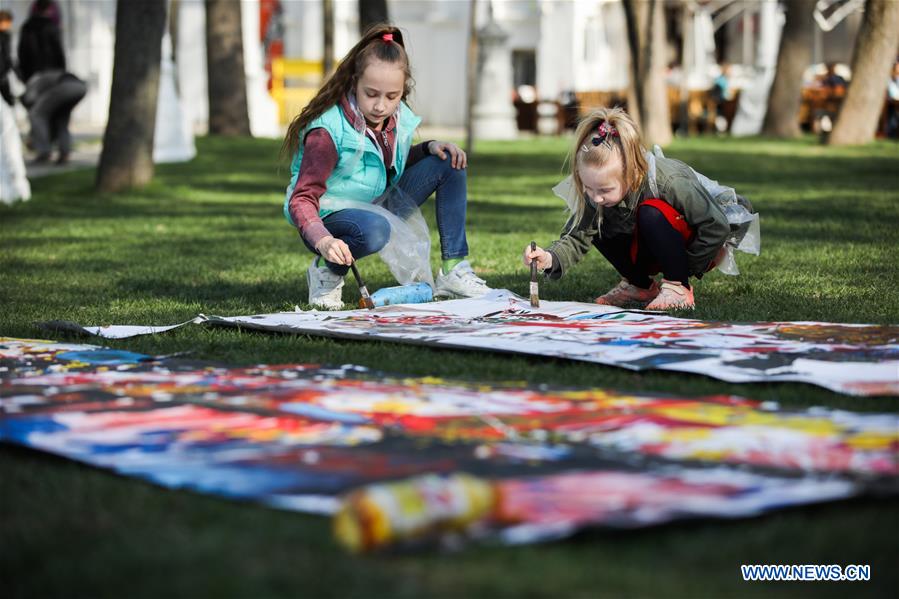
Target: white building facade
{"points": [[556, 46]]}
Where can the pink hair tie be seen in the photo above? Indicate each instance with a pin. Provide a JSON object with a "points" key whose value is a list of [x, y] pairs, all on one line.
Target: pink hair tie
{"points": [[387, 37], [604, 131]]}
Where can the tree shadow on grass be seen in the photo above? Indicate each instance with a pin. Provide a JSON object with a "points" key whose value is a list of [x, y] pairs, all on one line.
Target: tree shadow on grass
{"points": [[489, 217], [163, 207], [841, 174]]}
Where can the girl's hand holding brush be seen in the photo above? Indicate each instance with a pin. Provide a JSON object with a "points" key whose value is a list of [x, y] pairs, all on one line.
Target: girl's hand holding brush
{"points": [[544, 259], [334, 251]]}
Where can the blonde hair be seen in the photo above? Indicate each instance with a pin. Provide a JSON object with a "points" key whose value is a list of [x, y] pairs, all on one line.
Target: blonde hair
{"points": [[598, 137], [372, 46]]}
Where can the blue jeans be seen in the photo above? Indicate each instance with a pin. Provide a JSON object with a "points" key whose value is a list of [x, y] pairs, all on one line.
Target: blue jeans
{"points": [[366, 233]]}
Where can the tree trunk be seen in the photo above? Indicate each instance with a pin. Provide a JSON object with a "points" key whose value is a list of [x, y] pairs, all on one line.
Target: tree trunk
{"points": [[646, 37], [327, 38], [794, 55], [227, 83], [174, 21], [875, 50], [372, 12], [127, 157]]}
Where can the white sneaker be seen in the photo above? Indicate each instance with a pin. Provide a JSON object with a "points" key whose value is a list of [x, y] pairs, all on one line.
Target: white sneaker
{"points": [[325, 288], [460, 282]]}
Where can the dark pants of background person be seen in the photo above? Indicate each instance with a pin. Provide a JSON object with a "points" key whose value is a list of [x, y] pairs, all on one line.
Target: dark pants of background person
{"points": [[49, 116]]}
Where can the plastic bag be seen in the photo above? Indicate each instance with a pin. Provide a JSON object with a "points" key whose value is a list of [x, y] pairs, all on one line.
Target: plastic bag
{"points": [[745, 234], [564, 190], [408, 252], [14, 183]]}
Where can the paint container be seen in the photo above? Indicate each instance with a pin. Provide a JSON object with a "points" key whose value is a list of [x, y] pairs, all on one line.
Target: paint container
{"points": [[417, 293], [383, 514]]}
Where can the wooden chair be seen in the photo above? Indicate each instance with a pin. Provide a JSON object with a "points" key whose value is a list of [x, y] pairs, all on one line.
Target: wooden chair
{"points": [[588, 101]]}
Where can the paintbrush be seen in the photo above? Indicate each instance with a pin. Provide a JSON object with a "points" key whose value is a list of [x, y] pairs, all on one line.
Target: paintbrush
{"points": [[535, 292], [365, 300]]}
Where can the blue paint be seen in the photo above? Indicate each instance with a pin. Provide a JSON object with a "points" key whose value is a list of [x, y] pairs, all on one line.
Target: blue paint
{"points": [[18, 429], [103, 357], [624, 341], [320, 413]]}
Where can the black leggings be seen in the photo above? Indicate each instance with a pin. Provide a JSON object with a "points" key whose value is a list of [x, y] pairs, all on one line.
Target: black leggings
{"points": [[660, 247]]}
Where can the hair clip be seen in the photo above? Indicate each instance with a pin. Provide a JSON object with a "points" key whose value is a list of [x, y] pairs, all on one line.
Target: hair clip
{"points": [[603, 132], [387, 38], [605, 129]]}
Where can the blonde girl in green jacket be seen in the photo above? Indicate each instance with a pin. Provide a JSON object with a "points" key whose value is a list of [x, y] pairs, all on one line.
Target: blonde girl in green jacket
{"points": [[646, 214]]}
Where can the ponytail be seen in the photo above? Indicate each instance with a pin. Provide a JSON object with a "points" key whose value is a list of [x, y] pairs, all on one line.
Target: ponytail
{"points": [[381, 42]]}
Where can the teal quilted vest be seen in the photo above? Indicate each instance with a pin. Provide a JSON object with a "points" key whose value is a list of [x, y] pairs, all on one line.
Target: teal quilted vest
{"points": [[360, 174]]}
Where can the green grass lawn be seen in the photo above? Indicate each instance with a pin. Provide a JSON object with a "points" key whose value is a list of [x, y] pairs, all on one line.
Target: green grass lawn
{"points": [[209, 237]]}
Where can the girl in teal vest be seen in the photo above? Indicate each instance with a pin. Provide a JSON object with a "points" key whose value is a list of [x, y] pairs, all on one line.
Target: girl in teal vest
{"points": [[351, 145]]}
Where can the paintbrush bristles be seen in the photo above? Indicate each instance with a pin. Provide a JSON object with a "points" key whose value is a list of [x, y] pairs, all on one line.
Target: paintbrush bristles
{"points": [[365, 301]]}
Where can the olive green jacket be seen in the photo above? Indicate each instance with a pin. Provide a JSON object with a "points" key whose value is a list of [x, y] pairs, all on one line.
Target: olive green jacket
{"points": [[678, 186]]}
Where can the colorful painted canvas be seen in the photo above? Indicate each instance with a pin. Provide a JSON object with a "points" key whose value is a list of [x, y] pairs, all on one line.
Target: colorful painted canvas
{"points": [[314, 438], [855, 359]]}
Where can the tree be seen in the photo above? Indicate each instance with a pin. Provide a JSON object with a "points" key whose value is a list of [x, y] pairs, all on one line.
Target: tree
{"points": [[794, 55], [227, 84], [875, 50], [127, 156], [372, 12], [646, 38]]}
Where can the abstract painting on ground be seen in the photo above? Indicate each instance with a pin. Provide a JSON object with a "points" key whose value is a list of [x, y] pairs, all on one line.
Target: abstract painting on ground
{"points": [[855, 359], [313, 438]]}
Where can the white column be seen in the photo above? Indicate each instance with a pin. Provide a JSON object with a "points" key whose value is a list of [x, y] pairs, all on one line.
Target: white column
{"points": [[769, 34], [14, 183], [191, 61], [555, 50], [263, 109], [754, 97], [173, 140], [493, 112], [703, 49]]}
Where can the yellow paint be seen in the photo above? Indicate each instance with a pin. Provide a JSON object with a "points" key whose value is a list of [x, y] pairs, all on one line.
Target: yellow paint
{"points": [[428, 380], [872, 440], [734, 416], [396, 405], [710, 455], [687, 434], [379, 523], [593, 395]]}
